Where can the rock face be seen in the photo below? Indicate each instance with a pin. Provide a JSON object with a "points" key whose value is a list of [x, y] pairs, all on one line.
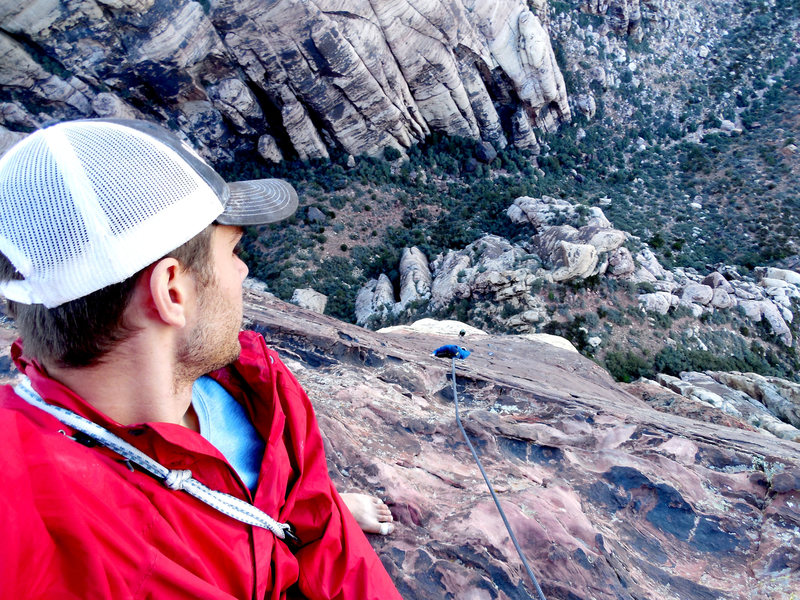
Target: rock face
{"points": [[374, 298], [610, 498], [415, 276], [360, 76]]}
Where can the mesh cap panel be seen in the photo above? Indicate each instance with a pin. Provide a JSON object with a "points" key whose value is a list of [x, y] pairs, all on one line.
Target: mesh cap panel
{"points": [[41, 201], [151, 178]]}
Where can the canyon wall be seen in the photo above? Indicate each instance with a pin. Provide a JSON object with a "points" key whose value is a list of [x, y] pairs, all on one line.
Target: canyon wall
{"points": [[288, 78]]}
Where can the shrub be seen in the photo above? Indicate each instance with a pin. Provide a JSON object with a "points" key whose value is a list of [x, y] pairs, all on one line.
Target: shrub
{"points": [[627, 366], [391, 153]]}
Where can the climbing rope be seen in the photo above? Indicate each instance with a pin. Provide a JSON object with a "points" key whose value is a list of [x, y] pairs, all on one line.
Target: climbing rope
{"points": [[453, 352]]}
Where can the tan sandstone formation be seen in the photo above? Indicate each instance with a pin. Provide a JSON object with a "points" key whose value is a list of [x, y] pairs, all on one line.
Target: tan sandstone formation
{"points": [[311, 75]]}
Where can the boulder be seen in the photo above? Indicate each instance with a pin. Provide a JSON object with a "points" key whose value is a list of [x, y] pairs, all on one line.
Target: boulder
{"points": [[573, 261], [504, 286], [697, 293], [753, 309], [485, 152], [603, 239], [657, 302], [415, 276], [722, 299], [717, 280], [376, 297], [648, 261], [775, 319], [745, 293], [620, 263], [597, 218], [586, 104], [310, 299], [540, 212], [548, 241], [493, 253], [598, 74], [697, 310], [730, 127], [528, 320]]}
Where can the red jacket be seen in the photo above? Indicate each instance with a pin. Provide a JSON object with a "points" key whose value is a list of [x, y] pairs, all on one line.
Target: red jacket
{"points": [[76, 522]]}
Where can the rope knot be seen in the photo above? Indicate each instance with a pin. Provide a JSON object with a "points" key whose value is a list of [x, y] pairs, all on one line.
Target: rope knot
{"points": [[176, 479]]}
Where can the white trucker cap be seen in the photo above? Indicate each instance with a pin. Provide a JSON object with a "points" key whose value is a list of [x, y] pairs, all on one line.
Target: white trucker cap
{"points": [[86, 204]]}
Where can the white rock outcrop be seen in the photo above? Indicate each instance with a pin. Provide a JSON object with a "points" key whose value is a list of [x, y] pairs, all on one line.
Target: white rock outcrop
{"points": [[657, 302], [621, 263], [375, 298], [697, 293], [450, 281], [415, 276], [573, 261], [310, 299]]}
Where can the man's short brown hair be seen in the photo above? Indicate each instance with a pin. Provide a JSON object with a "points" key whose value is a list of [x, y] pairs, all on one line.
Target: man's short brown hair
{"points": [[80, 332]]}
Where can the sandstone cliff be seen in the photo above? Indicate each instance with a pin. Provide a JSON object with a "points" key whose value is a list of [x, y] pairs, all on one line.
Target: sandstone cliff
{"points": [[286, 78]]}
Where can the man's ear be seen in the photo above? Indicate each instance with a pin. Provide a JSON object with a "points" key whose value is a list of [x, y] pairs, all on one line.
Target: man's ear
{"points": [[171, 290]]}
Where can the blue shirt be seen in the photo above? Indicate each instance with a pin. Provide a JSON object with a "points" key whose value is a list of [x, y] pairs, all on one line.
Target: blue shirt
{"points": [[224, 423]]}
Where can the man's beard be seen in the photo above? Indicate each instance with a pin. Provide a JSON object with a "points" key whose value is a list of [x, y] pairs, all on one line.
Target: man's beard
{"points": [[214, 340]]}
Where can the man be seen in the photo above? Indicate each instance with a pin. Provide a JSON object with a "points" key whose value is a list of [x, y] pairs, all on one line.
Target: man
{"points": [[120, 269]]}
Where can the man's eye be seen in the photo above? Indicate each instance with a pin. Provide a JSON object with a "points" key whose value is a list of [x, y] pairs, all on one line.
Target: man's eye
{"points": [[238, 248]]}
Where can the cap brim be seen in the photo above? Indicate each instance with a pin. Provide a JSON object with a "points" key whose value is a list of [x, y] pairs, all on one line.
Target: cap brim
{"points": [[258, 202]]}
